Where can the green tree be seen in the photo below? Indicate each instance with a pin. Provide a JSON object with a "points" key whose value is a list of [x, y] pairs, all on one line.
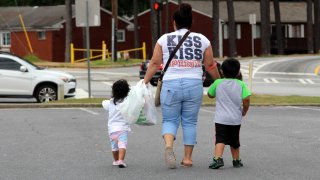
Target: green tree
{"points": [[125, 6]]}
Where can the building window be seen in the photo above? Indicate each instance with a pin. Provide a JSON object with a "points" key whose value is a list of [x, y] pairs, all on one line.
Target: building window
{"points": [[121, 35], [41, 35], [258, 29], [238, 31], [294, 31], [225, 31], [5, 39]]}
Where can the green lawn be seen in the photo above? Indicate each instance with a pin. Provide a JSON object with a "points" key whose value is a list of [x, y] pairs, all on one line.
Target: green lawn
{"points": [[108, 63], [255, 100]]}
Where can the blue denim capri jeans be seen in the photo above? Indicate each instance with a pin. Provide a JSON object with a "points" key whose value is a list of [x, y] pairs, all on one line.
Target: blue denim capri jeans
{"points": [[180, 103]]}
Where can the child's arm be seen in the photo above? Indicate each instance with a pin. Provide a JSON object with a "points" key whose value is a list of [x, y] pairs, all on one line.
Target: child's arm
{"points": [[105, 104], [212, 88], [246, 104]]}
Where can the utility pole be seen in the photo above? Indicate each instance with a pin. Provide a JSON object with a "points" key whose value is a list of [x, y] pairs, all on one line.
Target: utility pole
{"points": [[167, 17], [114, 29], [136, 30]]}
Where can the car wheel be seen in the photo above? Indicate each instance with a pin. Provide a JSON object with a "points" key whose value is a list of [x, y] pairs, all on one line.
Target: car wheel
{"points": [[46, 93], [154, 82]]}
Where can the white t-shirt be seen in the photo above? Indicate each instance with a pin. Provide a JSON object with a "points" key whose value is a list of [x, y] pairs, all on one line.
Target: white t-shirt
{"points": [[115, 121], [187, 62]]}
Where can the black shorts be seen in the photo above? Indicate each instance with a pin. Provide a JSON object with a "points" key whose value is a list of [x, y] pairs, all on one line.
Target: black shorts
{"points": [[228, 135]]}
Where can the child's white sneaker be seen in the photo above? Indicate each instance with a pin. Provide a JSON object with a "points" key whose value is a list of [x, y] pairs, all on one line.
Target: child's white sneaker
{"points": [[115, 163], [121, 164]]}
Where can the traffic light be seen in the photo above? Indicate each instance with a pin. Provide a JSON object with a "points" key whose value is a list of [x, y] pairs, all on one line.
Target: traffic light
{"points": [[157, 6]]}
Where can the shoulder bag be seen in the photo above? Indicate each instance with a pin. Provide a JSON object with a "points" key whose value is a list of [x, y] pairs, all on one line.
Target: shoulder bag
{"points": [[159, 85]]}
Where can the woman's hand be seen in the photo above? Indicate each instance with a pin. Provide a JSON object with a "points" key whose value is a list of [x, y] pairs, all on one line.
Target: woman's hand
{"points": [[154, 63], [210, 64]]}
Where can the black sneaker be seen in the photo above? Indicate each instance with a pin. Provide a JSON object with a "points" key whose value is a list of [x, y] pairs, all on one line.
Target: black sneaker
{"points": [[217, 163], [237, 163]]}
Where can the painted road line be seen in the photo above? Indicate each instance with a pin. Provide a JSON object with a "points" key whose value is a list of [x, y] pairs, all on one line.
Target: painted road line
{"points": [[89, 111], [80, 93], [274, 80], [108, 83], [266, 80], [309, 81], [303, 108], [302, 81], [206, 110], [286, 73]]}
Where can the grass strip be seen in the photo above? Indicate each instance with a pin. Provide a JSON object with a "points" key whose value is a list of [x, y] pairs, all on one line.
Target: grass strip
{"points": [[266, 100]]}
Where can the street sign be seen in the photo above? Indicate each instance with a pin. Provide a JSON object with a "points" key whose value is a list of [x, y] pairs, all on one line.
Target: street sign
{"points": [[93, 13]]}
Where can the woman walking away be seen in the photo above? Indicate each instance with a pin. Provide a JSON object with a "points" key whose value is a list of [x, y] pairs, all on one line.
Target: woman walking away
{"points": [[182, 89]]}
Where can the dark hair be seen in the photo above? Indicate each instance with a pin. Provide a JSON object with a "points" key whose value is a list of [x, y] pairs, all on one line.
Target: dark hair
{"points": [[183, 16], [120, 90], [230, 68]]}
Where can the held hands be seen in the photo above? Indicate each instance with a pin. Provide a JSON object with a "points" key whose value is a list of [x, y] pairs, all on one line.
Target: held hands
{"points": [[146, 83]]}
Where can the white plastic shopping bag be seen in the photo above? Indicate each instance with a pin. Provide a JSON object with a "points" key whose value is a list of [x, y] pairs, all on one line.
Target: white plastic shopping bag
{"points": [[132, 105], [148, 115]]}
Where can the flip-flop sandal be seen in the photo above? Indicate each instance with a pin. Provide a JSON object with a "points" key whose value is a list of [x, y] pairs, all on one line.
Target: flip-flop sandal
{"points": [[185, 165]]}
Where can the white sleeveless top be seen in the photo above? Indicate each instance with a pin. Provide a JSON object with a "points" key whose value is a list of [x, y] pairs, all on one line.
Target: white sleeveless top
{"points": [[187, 62]]}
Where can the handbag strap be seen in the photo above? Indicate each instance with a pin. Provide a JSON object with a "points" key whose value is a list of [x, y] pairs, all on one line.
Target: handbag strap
{"points": [[173, 53]]}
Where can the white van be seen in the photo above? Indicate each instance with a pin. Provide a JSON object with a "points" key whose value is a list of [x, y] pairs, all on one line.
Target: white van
{"points": [[22, 79]]}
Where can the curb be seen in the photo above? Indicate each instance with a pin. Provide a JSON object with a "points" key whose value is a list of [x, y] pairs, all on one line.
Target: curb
{"points": [[50, 105], [98, 105]]}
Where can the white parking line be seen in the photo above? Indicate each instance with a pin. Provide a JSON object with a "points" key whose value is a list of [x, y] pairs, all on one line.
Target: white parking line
{"points": [[208, 111], [303, 108], [266, 80], [107, 83], [89, 111], [274, 80], [310, 81], [80, 93], [302, 81]]}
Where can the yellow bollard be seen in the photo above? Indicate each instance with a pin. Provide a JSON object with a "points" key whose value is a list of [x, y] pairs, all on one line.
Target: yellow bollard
{"points": [[104, 47], [144, 54], [71, 53]]}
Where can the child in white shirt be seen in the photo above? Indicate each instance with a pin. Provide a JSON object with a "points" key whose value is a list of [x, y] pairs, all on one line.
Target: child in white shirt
{"points": [[117, 126]]}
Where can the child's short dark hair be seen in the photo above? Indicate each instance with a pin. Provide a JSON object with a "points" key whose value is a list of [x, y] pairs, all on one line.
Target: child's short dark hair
{"points": [[120, 90], [230, 68]]}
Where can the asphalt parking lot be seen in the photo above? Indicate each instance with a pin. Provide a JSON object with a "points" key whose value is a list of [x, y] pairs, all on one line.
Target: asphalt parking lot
{"points": [[71, 143]]}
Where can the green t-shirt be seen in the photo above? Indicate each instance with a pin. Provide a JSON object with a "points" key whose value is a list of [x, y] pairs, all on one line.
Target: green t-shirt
{"points": [[229, 94]]}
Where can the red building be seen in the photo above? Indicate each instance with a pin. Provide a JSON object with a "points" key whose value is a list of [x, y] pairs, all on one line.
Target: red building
{"points": [[293, 18], [45, 26], [46, 31]]}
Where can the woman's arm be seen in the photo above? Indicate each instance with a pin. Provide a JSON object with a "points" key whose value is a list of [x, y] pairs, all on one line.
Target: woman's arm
{"points": [[154, 63], [210, 64]]}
